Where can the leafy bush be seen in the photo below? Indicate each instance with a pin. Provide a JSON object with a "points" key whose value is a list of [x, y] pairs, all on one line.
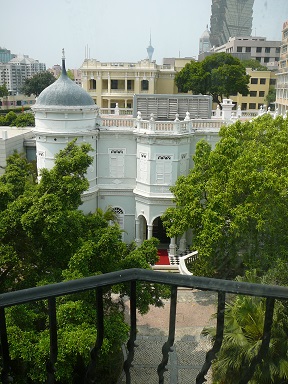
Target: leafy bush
{"points": [[25, 120]]}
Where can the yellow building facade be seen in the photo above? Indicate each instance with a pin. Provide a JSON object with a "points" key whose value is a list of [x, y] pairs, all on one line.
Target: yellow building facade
{"points": [[259, 85], [116, 83]]}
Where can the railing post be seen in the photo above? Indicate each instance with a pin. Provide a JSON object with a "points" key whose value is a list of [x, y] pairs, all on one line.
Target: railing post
{"points": [[50, 365], [210, 356], [169, 343], [131, 342], [90, 377], [5, 374], [264, 348]]}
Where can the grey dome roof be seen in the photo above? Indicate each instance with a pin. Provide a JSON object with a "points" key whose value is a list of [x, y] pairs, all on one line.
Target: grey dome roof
{"points": [[64, 92]]}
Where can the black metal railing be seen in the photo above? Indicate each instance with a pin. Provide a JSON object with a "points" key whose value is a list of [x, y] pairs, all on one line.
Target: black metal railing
{"points": [[222, 287]]}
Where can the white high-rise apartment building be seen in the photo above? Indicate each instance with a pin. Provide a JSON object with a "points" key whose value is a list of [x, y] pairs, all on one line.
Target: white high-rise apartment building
{"points": [[17, 70]]}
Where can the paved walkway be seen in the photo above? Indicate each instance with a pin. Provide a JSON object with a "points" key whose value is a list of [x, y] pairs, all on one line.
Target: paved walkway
{"points": [[194, 311]]}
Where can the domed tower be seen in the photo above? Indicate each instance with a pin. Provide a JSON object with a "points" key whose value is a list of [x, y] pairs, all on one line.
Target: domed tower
{"points": [[204, 41], [65, 111]]}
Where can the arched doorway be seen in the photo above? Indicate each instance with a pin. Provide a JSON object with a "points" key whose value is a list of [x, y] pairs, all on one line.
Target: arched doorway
{"points": [[159, 231], [141, 229]]}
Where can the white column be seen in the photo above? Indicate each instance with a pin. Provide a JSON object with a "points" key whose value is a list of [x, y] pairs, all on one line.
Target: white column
{"points": [[150, 231], [172, 247], [137, 230], [109, 85], [227, 106]]}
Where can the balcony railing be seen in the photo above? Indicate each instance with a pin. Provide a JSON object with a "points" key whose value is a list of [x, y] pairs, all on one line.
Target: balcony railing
{"points": [[177, 127], [116, 111], [97, 283]]}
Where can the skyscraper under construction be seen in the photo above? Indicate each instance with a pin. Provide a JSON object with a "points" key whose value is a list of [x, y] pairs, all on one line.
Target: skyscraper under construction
{"points": [[230, 18]]}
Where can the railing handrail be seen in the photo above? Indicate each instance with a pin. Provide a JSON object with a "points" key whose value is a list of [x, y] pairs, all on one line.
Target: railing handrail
{"points": [[136, 274]]}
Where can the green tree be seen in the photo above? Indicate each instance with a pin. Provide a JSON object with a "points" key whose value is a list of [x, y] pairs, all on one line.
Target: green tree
{"points": [[4, 93], [254, 64], [219, 75], [36, 84], [3, 90], [70, 74], [243, 333], [10, 118], [271, 96], [25, 120], [234, 199]]}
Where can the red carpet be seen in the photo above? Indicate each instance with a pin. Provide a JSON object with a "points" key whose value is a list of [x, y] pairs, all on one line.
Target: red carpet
{"points": [[163, 257]]}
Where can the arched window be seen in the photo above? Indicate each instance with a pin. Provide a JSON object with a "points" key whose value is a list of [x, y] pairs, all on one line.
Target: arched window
{"points": [[120, 216]]}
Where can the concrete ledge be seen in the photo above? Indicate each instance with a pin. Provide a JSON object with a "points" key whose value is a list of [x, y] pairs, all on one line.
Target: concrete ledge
{"points": [[166, 268]]}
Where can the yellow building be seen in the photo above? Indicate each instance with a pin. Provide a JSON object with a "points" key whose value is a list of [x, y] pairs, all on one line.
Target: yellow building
{"points": [[260, 82], [111, 83]]}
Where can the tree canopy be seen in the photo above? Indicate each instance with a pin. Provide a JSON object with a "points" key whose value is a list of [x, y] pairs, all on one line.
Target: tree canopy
{"points": [[3, 90], [36, 84], [219, 75], [243, 334], [271, 95], [235, 199], [13, 119], [254, 64], [45, 238]]}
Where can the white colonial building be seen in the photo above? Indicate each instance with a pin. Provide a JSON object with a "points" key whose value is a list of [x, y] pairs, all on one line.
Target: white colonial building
{"points": [[136, 159]]}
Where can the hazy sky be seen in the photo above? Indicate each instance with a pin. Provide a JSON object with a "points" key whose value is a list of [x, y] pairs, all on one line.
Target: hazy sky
{"points": [[118, 30]]}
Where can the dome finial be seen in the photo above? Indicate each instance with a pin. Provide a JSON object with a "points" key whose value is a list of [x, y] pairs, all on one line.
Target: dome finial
{"points": [[63, 63]]}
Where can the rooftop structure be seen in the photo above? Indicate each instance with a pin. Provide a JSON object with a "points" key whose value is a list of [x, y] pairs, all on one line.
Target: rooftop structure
{"points": [[63, 93], [230, 18]]}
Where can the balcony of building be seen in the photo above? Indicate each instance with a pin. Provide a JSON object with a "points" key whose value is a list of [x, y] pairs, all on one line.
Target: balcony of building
{"points": [[163, 366]]}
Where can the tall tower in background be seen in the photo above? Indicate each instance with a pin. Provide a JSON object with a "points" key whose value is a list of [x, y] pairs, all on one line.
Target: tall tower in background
{"points": [[230, 18], [150, 50], [204, 41]]}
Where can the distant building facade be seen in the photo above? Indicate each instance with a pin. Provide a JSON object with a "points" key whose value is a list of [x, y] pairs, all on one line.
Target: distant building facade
{"points": [[116, 83], [282, 75], [16, 101], [57, 69], [17, 70], [230, 18], [5, 55], [267, 52], [260, 83]]}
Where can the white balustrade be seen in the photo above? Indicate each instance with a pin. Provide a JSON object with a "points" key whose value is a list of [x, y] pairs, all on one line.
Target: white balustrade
{"points": [[187, 261]]}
